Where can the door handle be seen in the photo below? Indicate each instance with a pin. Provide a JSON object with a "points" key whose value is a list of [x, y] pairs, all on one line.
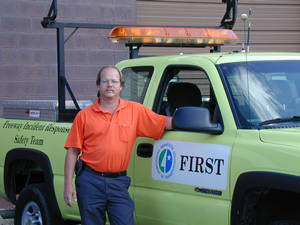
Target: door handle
{"points": [[145, 150]]}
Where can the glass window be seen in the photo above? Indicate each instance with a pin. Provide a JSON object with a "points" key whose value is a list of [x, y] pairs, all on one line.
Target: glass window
{"points": [[263, 91], [136, 80], [186, 86]]}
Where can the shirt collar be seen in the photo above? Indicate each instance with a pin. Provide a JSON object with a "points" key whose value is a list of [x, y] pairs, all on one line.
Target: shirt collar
{"points": [[96, 106]]}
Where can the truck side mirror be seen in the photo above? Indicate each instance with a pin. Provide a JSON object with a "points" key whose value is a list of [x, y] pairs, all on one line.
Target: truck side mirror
{"points": [[195, 119]]}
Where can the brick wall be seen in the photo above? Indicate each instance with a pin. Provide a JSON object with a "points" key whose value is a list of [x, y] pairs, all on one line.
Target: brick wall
{"points": [[275, 24], [28, 68]]}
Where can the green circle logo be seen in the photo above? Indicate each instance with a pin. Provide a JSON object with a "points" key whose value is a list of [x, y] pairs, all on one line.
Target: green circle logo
{"points": [[165, 161]]}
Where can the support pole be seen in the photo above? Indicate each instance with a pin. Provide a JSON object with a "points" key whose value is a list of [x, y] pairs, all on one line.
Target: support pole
{"points": [[61, 68]]}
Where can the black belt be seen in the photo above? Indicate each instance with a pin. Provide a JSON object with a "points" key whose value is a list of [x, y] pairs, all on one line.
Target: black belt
{"points": [[105, 174]]}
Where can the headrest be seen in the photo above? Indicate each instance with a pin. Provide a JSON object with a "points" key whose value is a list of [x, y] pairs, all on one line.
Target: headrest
{"points": [[184, 94]]}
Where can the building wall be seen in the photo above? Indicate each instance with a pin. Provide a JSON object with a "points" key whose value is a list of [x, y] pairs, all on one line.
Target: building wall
{"points": [[275, 24], [28, 68]]}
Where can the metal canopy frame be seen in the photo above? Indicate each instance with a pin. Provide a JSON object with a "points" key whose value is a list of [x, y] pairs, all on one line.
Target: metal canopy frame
{"points": [[49, 21]]}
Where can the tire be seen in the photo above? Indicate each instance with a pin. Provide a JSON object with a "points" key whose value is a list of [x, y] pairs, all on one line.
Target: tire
{"points": [[32, 207]]}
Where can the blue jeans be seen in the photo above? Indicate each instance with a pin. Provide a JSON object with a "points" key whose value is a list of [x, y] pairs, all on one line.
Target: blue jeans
{"points": [[97, 195]]}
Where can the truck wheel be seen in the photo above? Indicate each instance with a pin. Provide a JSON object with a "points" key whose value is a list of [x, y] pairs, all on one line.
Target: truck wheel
{"points": [[32, 207]]}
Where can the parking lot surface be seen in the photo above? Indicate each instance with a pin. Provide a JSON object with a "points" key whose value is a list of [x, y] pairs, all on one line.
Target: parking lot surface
{"points": [[6, 209]]}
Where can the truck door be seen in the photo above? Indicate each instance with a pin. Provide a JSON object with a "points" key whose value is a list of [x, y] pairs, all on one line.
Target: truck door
{"points": [[184, 177]]}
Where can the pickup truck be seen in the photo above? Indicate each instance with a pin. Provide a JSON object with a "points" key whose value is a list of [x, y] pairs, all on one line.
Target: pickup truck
{"points": [[232, 158]]}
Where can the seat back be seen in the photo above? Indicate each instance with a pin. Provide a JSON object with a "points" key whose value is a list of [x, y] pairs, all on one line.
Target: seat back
{"points": [[182, 94]]}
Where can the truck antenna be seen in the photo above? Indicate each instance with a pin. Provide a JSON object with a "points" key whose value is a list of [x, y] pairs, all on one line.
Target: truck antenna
{"points": [[249, 30], [244, 18]]}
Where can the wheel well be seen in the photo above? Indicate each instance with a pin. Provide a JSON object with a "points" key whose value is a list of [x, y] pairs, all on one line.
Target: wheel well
{"points": [[29, 166], [24, 167], [23, 173], [278, 205], [262, 197]]}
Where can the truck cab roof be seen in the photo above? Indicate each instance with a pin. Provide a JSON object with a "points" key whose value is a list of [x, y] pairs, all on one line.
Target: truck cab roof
{"points": [[217, 58]]}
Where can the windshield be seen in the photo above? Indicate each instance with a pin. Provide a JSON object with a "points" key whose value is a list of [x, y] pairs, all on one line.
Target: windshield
{"points": [[263, 91]]}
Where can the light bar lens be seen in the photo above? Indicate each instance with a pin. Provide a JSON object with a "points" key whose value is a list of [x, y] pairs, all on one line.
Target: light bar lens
{"points": [[172, 35]]}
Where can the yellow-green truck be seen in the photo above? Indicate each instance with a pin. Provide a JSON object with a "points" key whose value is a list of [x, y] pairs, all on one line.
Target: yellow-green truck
{"points": [[232, 158]]}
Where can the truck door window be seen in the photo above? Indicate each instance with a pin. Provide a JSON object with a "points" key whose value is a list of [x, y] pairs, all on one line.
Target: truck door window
{"points": [[136, 82], [185, 87]]}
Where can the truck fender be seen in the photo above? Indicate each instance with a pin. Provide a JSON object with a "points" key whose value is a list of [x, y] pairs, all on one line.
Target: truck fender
{"points": [[259, 180], [38, 158]]}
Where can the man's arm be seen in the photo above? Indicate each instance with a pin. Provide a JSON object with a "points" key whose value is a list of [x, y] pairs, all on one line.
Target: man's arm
{"points": [[169, 123], [70, 162]]}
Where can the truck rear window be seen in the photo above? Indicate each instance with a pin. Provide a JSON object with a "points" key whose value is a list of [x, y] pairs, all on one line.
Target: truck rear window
{"points": [[137, 80]]}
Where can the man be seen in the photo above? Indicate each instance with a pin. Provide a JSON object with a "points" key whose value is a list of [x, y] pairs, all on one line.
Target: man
{"points": [[104, 134]]}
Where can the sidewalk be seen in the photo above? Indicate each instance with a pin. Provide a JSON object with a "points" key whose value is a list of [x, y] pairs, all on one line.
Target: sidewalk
{"points": [[5, 205], [6, 221]]}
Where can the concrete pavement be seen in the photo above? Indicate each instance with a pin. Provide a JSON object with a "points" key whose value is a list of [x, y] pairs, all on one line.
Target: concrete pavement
{"points": [[6, 210]]}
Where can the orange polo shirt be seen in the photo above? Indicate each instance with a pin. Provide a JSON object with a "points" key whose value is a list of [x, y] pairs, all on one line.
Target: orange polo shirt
{"points": [[106, 140]]}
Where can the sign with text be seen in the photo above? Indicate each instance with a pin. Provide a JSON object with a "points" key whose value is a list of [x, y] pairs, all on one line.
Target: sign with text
{"points": [[198, 164], [32, 132]]}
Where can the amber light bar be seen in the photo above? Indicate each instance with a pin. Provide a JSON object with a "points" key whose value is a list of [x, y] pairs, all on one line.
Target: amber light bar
{"points": [[172, 35]]}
